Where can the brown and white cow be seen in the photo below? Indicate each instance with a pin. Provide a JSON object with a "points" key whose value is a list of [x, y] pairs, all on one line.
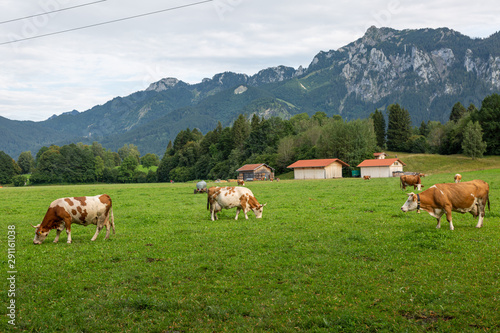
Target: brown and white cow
{"points": [[228, 197], [442, 199], [367, 177], [241, 182], [411, 180], [63, 212], [458, 178]]}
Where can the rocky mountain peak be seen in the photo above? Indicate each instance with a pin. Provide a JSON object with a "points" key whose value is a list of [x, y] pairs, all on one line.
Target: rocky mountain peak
{"points": [[165, 84]]}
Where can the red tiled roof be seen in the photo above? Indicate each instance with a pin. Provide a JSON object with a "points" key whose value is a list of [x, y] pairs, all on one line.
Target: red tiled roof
{"points": [[252, 167], [378, 163], [316, 163], [378, 154]]}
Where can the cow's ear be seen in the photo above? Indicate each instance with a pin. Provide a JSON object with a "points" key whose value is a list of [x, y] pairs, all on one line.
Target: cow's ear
{"points": [[264, 205]]}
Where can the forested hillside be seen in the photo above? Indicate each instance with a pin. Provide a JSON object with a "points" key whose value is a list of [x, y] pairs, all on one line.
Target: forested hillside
{"points": [[274, 141], [426, 71]]}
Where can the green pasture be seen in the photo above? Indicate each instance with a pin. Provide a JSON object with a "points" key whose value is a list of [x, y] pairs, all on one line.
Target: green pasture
{"points": [[327, 256]]}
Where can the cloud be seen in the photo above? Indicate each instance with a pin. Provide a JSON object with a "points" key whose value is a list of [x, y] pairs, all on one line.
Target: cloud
{"points": [[83, 68]]}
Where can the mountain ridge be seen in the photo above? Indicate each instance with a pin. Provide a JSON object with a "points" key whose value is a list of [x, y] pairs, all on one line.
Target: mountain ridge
{"points": [[424, 70]]}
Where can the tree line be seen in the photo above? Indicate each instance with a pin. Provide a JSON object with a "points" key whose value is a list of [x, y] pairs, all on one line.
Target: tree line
{"points": [[469, 131], [274, 141]]}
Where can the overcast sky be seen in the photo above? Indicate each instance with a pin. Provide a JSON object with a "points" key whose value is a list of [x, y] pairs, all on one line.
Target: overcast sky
{"points": [[50, 75]]}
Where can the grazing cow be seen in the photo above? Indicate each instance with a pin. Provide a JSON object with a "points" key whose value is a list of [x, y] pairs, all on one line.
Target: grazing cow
{"points": [[411, 180], [458, 178], [367, 177], [80, 210], [230, 197], [241, 182], [442, 199]]}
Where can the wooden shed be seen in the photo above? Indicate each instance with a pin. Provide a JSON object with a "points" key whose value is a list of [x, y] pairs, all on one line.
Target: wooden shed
{"points": [[381, 168], [380, 156], [259, 171], [318, 169]]}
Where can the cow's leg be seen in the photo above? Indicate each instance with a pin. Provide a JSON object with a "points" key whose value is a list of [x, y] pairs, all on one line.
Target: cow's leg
{"points": [[244, 206], [481, 210], [59, 230], [213, 214], [97, 231], [439, 223], [112, 219], [108, 227], [67, 223], [238, 209], [438, 214], [448, 217]]}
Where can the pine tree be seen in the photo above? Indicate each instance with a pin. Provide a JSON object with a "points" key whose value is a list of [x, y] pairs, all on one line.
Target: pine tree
{"points": [[240, 131], [489, 119], [379, 127], [399, 127], [457, 112], [473, 144]]}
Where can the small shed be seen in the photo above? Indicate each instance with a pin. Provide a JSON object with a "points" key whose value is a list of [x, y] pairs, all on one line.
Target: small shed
{"points": [[259, 171], [380, 156], [318, 169], [381, 168]]}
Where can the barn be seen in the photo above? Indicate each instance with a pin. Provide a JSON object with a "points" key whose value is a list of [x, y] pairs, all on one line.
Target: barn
{"points": [[381, 168], [259, 171], [318, 169]]}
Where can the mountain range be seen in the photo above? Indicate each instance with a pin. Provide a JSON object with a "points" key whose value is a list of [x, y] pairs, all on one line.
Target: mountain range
{"points": [[426, 71]]}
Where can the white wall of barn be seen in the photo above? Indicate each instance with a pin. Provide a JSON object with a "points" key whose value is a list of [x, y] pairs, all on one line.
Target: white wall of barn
{"points": [[333, 170], [380, 172]]}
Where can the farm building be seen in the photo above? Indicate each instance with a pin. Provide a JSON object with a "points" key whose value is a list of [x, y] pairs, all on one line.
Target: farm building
{"points": [[318, 169], [255, 172], [380, 156], [380, 168]]}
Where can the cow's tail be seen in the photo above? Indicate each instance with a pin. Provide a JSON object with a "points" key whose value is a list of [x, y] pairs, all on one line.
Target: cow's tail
{"points": [[488, 200], [112, 219]]}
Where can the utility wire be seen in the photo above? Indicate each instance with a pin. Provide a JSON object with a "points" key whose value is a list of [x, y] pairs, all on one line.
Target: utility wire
{"points": [[108, 22], [54, 11]]}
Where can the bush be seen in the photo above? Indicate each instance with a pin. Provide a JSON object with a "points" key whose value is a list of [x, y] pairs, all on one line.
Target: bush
{"points": [[19, 180]]}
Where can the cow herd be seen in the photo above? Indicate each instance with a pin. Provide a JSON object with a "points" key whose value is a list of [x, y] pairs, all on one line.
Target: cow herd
{"points": [[442, 199], [438, 200]]}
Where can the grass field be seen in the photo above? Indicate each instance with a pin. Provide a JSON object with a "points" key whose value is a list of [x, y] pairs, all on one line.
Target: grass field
{"points": [[327, 256]]}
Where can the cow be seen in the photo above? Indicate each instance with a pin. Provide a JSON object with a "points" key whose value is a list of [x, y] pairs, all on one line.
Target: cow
{"points": [[458, 178], [241, 182], [367, 177], [411, 180], [230, 197], [63, 212], [442, 199]]}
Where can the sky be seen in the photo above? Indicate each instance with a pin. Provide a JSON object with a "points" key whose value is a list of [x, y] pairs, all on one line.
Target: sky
{"points": [[45, 70]]}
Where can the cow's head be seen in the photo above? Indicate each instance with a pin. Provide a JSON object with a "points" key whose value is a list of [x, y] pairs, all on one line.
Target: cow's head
{"points": [[258, 211], [419, 187], [411, 203], [40, 234]]}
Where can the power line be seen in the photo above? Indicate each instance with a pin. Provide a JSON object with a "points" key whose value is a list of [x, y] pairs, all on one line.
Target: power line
{"points": [[108, 22], [53, 11]]}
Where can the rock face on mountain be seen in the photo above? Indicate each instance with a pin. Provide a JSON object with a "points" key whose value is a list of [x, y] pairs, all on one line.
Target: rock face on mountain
{"points": [[426, 71]]}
